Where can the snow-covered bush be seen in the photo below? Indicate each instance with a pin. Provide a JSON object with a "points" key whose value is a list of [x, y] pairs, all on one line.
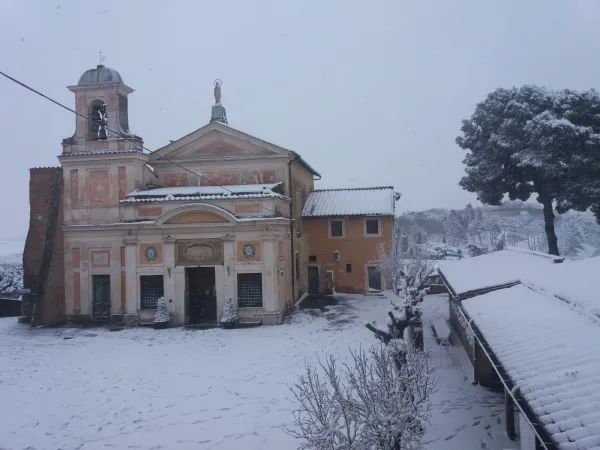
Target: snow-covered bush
{"points": [[377, 402], [439, 251], [162, 314], [228, 312], [476, 250], [11, 277]]}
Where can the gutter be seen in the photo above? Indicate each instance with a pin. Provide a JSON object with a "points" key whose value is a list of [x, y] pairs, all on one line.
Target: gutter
{"points": [[512, 390], [293, 265], [304, 164]]}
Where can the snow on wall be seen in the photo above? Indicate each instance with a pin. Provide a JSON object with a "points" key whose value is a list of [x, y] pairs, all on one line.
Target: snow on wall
{"points": [[347, 202], [550, 351]]}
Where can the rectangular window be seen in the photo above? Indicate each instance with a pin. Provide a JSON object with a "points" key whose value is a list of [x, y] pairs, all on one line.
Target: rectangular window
{"points": [[312, 258], [372, 226], [336, 228], [348, 268], [249, 290], [152, 290]]}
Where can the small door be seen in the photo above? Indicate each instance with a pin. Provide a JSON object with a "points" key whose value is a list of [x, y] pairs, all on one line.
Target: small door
{"points": [[374, 278], [201, 295], [101, 297], [313, 280]]}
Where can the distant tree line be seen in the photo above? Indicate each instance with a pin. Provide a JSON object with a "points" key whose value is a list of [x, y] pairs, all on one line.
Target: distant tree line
{"points": [[488, 228]]}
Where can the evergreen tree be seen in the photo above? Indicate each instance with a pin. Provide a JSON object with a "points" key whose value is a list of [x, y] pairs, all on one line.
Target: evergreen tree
{"points": [[228, 312], [529, 140], [162, 314]]}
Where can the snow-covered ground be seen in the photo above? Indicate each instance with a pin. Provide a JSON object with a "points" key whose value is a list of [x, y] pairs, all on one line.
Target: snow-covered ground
{"points": [[182, 389]]}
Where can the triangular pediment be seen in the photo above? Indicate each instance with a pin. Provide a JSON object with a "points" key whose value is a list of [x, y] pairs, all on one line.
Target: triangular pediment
{"points": [[217, 141]]}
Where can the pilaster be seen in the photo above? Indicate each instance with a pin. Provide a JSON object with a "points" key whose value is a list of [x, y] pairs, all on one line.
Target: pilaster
{"points": [[131, 284], [169, 277], [273, 313], [228, 263]]}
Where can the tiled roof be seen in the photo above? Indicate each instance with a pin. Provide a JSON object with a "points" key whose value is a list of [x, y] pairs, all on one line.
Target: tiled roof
{"points": [[549, 351], [104, 152], [205, 193], [495, 269], [372, 201]]}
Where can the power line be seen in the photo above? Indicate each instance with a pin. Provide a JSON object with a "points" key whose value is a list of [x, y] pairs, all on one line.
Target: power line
{"points": [[20, 83]]}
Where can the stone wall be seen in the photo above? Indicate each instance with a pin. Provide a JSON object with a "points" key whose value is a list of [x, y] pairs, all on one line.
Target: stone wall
{"points": [[43, 256]]}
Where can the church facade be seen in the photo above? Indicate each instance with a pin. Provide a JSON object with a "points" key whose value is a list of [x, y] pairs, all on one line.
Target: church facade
{"points": [[207, 217], [214, 215]]}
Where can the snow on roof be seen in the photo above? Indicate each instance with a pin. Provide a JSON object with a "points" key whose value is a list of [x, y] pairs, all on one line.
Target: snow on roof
{"points": [[493, 269], [105, 152], [550, 352], [372, 201], [572, 282], [204, 193]]}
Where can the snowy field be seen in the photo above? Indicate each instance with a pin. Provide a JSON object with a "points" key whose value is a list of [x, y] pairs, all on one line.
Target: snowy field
{"points": [[214, 389]]}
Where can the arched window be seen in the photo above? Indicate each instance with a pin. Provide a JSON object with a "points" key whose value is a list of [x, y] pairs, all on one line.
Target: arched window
{"points": [[97, 121]]}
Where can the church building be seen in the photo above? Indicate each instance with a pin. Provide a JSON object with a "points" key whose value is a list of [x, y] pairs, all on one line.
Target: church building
{"points": [[216, 214]]}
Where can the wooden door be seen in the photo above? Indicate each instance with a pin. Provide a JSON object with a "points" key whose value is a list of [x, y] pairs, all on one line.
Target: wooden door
{"points": [[374, 278], [201, 295], [313, 280], [101, 297]]}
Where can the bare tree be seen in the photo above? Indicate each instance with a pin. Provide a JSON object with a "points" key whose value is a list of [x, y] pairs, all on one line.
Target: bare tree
{"points": [[378, 402], [405, 268]]}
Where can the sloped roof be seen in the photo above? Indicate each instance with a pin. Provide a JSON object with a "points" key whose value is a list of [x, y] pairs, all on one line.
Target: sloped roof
{"points": [[549, 350], [205, 193], [371, 201], [573, 282], [228, 129], [494, 269]]}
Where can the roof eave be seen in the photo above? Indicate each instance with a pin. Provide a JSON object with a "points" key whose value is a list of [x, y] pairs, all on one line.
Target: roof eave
{"points": [[325, 216], [304, 164], [510, 386]]}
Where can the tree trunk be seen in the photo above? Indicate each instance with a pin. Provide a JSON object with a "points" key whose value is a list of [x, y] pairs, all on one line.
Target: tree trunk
{"points": [[549, 227]]}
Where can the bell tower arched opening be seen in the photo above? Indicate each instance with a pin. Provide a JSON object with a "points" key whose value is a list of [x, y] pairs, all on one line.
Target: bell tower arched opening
{"points": [[97, 121], [102, 114]]}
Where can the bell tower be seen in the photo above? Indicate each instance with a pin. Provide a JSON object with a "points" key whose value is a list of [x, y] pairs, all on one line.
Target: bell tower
{"points": [[102, 123]]}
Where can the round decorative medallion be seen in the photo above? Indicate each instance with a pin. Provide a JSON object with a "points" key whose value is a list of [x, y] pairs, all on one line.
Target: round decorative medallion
{"points": [[151, 253], [249, 251]]}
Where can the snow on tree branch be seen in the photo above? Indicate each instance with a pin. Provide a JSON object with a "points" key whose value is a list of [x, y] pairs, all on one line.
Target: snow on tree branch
{"points": [[11, 277], [380, 401]]}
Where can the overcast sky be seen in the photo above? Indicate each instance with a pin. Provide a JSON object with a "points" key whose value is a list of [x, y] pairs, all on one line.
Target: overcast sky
{"points": [[368, 92]]}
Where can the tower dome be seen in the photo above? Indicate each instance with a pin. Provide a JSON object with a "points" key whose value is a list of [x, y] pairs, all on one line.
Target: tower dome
{"points": [[99, 75]]}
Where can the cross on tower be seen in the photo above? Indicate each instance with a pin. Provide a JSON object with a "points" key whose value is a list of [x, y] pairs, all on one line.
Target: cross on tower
{"points": [[102, 58]]}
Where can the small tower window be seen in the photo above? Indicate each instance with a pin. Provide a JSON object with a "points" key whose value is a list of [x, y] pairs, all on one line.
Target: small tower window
{"points": [[97, 121]]}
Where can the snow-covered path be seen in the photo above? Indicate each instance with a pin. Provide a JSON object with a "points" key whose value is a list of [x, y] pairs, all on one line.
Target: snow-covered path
{"points": [[182, 389], [463, 416]]}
